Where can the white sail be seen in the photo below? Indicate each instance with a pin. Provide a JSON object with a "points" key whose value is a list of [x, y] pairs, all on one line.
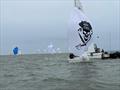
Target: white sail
{"points": [[80, 32]]}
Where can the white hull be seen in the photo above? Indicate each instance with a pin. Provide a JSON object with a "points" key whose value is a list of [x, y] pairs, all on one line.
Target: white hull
{"points": [[95, 56], [98, 55], [78, 59]]}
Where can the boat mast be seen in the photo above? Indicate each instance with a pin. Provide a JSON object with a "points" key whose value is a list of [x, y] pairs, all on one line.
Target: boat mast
{"points": [[78, 4]]}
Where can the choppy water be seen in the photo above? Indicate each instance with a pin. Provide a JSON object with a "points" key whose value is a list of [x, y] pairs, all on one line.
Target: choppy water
{"points": [[53, 72]]}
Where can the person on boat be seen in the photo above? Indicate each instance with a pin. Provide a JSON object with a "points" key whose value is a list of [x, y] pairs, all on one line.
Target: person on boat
{"points": [[71, 56]]}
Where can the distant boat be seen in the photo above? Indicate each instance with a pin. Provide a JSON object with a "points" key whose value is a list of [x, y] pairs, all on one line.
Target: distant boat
{"points": [[80, 34], [58, 50], [51, 49], [96, 53], [15, 51]]}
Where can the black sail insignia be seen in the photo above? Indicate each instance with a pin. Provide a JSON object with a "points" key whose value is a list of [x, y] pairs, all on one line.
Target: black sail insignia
{"points": [[85, 33]]}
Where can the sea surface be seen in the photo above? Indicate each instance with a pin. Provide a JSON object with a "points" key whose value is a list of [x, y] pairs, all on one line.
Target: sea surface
{"points": [[54, 72]]}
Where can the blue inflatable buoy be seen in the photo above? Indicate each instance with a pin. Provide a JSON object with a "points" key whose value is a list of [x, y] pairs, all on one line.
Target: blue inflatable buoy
{"points": [[15, 51]]}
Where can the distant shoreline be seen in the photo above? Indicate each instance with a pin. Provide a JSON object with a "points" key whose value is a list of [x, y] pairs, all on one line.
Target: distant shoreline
{"points": [[52, 53], [37, 54]]}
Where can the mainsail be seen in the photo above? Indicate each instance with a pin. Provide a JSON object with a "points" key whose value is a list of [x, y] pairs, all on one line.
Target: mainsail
{"points": [[80, 32]]}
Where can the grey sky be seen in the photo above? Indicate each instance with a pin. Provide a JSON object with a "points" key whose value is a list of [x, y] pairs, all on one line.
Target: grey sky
{"points": [[33, 24]]}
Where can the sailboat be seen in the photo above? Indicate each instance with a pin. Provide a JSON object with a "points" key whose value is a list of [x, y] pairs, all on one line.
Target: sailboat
{"points": [[80, 34], [16, 51], [51, 48]]}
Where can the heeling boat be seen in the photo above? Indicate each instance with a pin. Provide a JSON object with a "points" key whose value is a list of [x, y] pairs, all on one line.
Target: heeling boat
{"points": [[80, 34]]}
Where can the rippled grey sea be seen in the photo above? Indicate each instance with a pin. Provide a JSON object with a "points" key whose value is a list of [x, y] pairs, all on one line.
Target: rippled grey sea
{"points": [[53, 72]]}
